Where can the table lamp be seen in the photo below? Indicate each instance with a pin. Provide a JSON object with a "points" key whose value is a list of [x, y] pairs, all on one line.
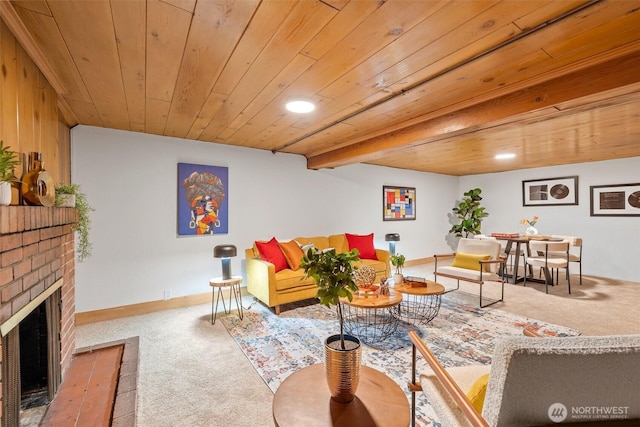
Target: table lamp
{"points": [[392, 238], [225, 252]]}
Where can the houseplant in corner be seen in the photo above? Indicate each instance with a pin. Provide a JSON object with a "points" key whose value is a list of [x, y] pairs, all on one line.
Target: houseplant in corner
{"points": [[333, 274], [83, 226], [397, 261], [470, 214], [8, 162]]}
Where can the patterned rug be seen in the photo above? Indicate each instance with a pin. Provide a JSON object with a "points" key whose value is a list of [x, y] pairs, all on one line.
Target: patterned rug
{"points": [[461, 334]]}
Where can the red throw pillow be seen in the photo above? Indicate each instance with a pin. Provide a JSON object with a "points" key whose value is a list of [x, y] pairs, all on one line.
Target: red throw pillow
{"points": [[364, 244], [270, 251]]}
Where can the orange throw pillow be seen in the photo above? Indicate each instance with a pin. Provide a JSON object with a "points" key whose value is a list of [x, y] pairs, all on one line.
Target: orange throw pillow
{"points": [[270, 251], [292, 253]]}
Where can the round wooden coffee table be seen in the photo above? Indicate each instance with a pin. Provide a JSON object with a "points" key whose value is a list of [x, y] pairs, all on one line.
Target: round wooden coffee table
{"points": [[303, 399], [420, 304], [371, 318]]}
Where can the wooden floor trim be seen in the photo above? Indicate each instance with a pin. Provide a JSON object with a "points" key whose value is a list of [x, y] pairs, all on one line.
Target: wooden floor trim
{"points": [[86, 317]]}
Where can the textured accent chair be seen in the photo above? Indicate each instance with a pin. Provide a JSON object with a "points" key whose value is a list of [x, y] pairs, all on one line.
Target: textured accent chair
{"points": [[532, 380], [549, 256], [476, 261]]}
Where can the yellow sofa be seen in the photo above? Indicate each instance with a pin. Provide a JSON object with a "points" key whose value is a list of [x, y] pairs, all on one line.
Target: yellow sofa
{"points": [[276, 288]]}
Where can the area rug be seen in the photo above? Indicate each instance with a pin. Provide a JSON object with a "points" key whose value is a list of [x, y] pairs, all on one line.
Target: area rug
{"points": [[461, 334]]}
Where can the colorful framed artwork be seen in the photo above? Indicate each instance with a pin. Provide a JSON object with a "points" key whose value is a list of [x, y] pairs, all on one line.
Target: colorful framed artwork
{"points": [[398, 203], [550, 192], [203, 200], [615, 200]]}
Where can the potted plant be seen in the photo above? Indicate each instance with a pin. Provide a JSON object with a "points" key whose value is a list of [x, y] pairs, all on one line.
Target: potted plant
{"points": [[397, 260], [9, 160], [333, 273], [83, 226], [470, 214]]}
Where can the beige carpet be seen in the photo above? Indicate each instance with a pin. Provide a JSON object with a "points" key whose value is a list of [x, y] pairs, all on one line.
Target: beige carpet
{"points": [[192, 373]]}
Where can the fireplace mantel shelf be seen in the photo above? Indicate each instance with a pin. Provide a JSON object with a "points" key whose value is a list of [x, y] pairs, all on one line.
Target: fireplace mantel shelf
{"points": [[16, 219]]}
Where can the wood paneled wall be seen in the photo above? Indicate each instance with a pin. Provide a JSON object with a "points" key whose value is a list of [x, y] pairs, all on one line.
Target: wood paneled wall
{"points": [[29, 115]]}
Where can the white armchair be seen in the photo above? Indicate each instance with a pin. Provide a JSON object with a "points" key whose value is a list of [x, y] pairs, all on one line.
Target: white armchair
{"points": [[539, 381], [475, 260]]}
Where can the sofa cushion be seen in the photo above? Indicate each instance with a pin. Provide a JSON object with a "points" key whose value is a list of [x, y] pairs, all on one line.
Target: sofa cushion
{"points": [[364, 244], [270, 251], [321, 242], [339, 242], [288, 279], [292, 253]]}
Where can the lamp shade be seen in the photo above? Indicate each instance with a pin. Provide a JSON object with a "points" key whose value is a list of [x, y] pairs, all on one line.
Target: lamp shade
{"points": [[392, 237], [224, 251]]}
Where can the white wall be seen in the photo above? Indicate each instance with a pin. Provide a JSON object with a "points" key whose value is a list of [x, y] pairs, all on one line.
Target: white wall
{"points": [[131, 181], [611, 245]]}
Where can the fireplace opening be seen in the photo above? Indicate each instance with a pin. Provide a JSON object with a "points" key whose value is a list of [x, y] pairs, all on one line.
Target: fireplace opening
{"points": [[34, 369], [31, 370]]}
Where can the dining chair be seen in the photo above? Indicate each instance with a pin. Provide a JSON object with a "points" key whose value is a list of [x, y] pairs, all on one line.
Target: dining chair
{"points": [[547, 256], [575, 250]]}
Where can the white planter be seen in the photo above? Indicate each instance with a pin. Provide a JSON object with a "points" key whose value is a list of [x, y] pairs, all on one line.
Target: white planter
{"points": [[5, 193], [67, 200], [398, 279]]}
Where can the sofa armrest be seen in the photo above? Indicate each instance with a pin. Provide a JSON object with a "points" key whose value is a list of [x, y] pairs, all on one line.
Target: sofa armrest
{"points": [[261, 279], [384, 256]]}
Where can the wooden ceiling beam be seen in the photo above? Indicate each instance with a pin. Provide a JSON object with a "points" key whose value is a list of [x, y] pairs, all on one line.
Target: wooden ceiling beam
{"points": [[588, 81]]}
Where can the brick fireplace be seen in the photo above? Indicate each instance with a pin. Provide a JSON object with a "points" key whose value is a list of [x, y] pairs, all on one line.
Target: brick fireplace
{"points": [[36, 273]]}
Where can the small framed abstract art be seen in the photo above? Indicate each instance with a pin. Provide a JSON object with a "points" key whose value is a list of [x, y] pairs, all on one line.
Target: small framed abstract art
{"points": [[398, 203], [203, 200], [615, 200], [561, 191]]}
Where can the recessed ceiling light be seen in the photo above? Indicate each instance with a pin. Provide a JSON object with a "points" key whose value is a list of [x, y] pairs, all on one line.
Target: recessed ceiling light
{"points": [[505, 156], [300, 106]]}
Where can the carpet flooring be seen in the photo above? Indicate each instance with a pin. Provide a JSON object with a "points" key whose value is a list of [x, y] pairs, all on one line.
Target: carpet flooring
{"points": [[193, 373], [461, 334]]}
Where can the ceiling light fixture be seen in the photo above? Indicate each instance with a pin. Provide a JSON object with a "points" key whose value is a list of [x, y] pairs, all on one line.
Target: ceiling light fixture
{"points": [[505, 156], [300, 106]]}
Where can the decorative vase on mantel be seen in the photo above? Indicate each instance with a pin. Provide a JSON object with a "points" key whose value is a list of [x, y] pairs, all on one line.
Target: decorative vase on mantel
{"points": [[37, 184], [531, 231], [5, 193], [66, 200]]}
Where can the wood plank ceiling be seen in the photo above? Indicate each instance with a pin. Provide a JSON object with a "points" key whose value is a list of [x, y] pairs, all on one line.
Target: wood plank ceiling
{"points": [[435, 86]]}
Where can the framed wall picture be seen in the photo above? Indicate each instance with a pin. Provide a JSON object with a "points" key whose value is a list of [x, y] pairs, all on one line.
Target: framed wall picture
{"points": [[398, 203], [615, 200], [551, 191], [203, 200]]}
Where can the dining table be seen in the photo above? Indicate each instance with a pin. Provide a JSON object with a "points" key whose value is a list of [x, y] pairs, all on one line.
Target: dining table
{"points": [[522, 244]]}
